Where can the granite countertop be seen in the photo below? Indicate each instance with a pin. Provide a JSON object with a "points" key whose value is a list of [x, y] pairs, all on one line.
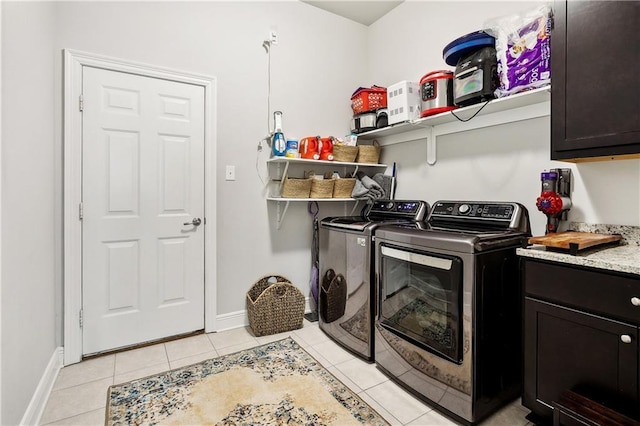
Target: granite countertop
{"points": [[622, 258]]}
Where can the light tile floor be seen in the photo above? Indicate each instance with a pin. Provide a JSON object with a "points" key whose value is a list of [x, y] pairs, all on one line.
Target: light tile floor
{"points": [[79, 395]]}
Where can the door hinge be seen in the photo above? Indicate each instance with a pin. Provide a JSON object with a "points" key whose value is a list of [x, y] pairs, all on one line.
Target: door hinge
{"points": [[81, 103], [80, 317], [80, 211]]}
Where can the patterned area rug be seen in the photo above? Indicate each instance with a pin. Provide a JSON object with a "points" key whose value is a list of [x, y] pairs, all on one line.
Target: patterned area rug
{"points": [[358, 325], [423, 319], [277, 383]]}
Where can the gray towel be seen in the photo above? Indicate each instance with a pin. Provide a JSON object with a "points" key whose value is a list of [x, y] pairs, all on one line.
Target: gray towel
{"points": [[366, 189], [368, 183], [385, 182], [358, 190]]}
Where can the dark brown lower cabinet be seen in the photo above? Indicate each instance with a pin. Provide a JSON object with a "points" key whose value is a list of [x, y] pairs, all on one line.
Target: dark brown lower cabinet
{"points": [[567, 347]]}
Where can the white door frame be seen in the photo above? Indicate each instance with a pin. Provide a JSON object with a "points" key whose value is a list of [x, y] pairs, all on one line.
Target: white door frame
{"points": [[73, 62]]}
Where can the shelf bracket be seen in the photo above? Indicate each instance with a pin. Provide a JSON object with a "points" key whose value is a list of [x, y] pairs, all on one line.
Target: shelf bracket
{"points": [[431, 147], [282, 179], [281, 212], [515, 115]]}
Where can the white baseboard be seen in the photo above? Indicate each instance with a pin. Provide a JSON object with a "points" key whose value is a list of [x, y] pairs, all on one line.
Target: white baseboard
{"points": [[239, 319], [231, 320], [41, 395]]}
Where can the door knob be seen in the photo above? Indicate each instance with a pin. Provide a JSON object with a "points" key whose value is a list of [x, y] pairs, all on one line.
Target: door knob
{"points": [[625, 338], [195, 222], [635, 301]]}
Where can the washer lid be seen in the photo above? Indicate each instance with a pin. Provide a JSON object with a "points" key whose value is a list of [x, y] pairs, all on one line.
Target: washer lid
{"points": [[355, 223]]}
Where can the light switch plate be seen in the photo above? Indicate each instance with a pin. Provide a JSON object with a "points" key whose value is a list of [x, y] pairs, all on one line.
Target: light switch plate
{"points": [[230, 173]]}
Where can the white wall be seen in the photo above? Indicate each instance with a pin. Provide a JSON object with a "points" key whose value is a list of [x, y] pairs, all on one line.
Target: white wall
{"points": [[1, 174], [28, 193], [314, 70], [320, 60], [503, 162], [315, 67]]}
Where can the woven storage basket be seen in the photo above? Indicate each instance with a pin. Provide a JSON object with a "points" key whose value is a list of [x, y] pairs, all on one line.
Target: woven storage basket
{"points": [[345, 153], [321, 188], [333, 296], [368, 153], [296, 188], [274, 307], [343, 187]]}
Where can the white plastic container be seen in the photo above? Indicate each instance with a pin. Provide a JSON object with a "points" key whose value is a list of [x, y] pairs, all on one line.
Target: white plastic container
{"points": [[403, 101]]}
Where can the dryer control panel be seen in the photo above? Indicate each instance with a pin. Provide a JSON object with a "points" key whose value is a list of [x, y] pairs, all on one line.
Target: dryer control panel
{"points": [[411, 209], [497, 215]]}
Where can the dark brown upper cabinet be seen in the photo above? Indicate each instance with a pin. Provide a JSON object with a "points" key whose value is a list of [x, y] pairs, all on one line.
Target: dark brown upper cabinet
{"points": [[595, 71]]}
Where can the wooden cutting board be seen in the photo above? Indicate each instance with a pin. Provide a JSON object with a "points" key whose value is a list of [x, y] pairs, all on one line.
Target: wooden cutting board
{"points": [[574, 241]]}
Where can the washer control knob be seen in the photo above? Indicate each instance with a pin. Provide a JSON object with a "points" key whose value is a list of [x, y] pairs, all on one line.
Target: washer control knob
{"points": [[390, 205], [464, 208]]}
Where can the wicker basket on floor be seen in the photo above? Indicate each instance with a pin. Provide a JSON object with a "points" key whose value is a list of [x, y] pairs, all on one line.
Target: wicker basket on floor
{"points": [[345, 153], [369, 153], [274, 305], [343, 187]]}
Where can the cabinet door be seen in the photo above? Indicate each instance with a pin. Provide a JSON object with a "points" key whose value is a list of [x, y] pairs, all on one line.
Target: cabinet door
{"points": [[565, 348], [595, 102]]}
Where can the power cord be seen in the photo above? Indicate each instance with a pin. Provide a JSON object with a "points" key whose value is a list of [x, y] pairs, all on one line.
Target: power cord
{"points": [[416, 122], [476, 113], [266, 44], [267, 139]]}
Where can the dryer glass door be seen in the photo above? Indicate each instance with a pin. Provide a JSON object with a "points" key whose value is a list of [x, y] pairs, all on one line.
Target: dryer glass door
{"points": [[421, 299]]}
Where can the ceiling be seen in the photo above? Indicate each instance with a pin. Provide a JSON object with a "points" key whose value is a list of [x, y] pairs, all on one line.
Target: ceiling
{"points": [[365, 12]]}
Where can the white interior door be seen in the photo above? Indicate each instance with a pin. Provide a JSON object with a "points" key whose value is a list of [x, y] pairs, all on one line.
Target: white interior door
{"points": [[142, 198]]}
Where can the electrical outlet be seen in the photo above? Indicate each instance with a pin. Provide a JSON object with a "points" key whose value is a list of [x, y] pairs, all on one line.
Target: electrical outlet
{"points": [[273, 36], [230, 173]]}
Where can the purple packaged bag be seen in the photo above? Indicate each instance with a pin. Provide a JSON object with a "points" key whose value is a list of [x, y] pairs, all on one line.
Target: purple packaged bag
{"points": [[523, 50]]}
